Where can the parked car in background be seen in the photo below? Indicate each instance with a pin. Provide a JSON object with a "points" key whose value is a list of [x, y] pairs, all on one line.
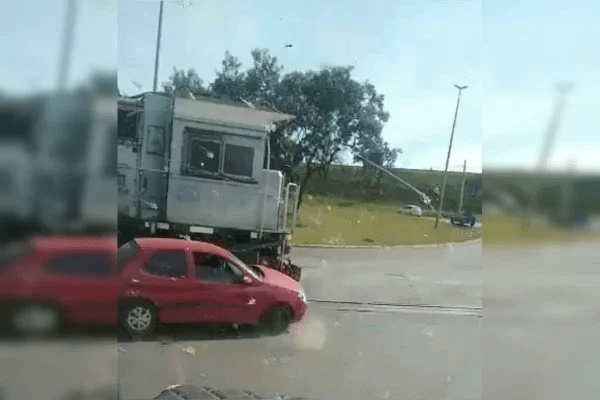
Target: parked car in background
{"points": [[411, 210], [464, 219], [50, 282], [185, 281]]}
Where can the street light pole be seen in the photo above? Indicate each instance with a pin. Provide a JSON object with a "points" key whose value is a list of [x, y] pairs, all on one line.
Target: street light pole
{"points": [[67, 44], [462, 187], [437, 217], [160, 18]]}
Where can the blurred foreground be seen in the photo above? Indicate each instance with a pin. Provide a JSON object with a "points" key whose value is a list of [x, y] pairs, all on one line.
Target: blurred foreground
{"points": [[58, 208]]}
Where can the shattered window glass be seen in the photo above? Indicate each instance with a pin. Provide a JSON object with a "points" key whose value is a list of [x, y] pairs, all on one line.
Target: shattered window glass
{"points": [[205, 156]]}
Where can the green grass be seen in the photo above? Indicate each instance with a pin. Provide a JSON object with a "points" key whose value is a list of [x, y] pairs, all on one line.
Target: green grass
{"points": [[337, 221], [510, 229]]}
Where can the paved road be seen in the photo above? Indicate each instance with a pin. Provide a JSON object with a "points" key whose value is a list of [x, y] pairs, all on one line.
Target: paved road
{"points": [[425, 342], [338, 352], [48, 370], [446, 276], [542, 322], [538, 339]]}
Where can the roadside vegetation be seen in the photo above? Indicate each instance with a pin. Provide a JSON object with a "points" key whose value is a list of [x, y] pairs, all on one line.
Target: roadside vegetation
{"points": [[515, 230], [328, 220]]}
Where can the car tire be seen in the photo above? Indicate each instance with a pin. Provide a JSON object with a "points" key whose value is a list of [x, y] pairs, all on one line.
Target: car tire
{"points": [[36, 320], [137, 319], [276, 321], [472, 223]]}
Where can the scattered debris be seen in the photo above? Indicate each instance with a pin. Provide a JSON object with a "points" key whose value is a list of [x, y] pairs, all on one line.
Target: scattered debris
{"points": [[189, 349]]}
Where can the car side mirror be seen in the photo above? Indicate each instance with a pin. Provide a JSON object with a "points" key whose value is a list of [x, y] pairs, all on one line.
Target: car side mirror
{"points": [[247, 280]]}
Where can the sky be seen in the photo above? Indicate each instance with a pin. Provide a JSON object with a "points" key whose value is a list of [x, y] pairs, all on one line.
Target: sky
{"points": [[510, 54]]}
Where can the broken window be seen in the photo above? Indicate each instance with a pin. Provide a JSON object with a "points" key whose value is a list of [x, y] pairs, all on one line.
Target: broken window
{"points": [[205, 156], [238, 160]]}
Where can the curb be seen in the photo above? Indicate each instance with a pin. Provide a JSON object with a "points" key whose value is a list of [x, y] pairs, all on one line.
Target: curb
{"points": [[415, 246]]}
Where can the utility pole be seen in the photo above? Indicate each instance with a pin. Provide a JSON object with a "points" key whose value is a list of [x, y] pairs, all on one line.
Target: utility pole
{"points": [[160, 18], [563, 90], [437, 217], [67, 44], [462, 187]]}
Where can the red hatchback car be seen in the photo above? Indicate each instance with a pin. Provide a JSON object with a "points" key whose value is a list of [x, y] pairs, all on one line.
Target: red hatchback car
{"points": [[185, 281], [47, 282]]}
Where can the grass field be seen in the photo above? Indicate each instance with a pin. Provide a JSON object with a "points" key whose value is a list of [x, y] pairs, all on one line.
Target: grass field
{"points": [[507, 229], [337, 221]]}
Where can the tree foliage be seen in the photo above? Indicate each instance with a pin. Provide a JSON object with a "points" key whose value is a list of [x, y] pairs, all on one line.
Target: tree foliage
{"points": [[183, 83], [333, 112]]}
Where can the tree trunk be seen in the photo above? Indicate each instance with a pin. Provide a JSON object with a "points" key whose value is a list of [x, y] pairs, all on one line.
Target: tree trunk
{"points": [[309, 172]]}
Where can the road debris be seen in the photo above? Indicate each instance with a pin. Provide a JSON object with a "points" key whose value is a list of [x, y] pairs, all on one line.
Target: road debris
{"points": [[189, 349]]}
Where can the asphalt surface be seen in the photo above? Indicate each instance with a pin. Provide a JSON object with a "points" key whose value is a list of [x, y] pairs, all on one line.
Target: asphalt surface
{"points": [[425, 340], [445, 276], [387, 323], [542, 322]]}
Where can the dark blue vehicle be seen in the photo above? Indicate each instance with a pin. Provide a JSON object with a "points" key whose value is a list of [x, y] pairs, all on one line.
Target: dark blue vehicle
{"points": [[464, 219]]}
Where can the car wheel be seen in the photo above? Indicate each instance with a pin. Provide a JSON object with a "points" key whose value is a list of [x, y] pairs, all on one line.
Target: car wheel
{"points": [[138, 319], [276, 321], [36, 320], [472, 223]]}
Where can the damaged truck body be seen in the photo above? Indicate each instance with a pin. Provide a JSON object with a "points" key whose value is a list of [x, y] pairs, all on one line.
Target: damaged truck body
{"points": [[200, 169]]}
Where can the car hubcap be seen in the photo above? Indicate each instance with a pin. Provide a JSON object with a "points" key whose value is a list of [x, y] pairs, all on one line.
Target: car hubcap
{"points": [[139, 318]]}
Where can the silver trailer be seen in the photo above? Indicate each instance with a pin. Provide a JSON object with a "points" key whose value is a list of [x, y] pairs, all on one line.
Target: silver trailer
{"points": [[200, 169], [58, 163]]}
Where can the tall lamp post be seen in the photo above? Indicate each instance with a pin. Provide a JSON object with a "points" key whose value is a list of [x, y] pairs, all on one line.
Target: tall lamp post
{"points": [[160, 18], [437, 217]]}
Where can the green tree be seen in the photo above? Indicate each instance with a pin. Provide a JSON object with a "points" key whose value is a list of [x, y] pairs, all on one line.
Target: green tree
{"points": [[230, 80], [333, 112], [183, 83]]}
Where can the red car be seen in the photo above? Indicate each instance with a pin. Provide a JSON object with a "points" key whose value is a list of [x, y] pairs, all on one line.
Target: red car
{"points": [[179, 281], [47, 282]]}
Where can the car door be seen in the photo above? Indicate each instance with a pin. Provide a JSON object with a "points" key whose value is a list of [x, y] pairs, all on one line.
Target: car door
{"points": [[163, 278], [84, 283], [223, 296]]}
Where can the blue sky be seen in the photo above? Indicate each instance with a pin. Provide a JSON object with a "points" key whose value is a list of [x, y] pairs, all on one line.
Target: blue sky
{"points": [[31, 39], [509, 53]]}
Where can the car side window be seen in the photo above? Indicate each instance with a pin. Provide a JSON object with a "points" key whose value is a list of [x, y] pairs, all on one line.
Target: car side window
{"points": [[213, 268], [171, 264], [87, 264]]}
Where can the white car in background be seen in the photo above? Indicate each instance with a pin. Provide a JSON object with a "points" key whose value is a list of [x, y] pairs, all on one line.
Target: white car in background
{"points": [[411, 210]]}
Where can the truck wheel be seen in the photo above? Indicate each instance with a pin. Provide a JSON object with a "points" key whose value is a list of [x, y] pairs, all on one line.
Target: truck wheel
{"points": [[36, 320], [137, 319], [276, 321]]}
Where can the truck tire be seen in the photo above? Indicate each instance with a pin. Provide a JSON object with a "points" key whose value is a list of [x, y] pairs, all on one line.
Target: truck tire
{"points": [[276, 321], [137, 318]]}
